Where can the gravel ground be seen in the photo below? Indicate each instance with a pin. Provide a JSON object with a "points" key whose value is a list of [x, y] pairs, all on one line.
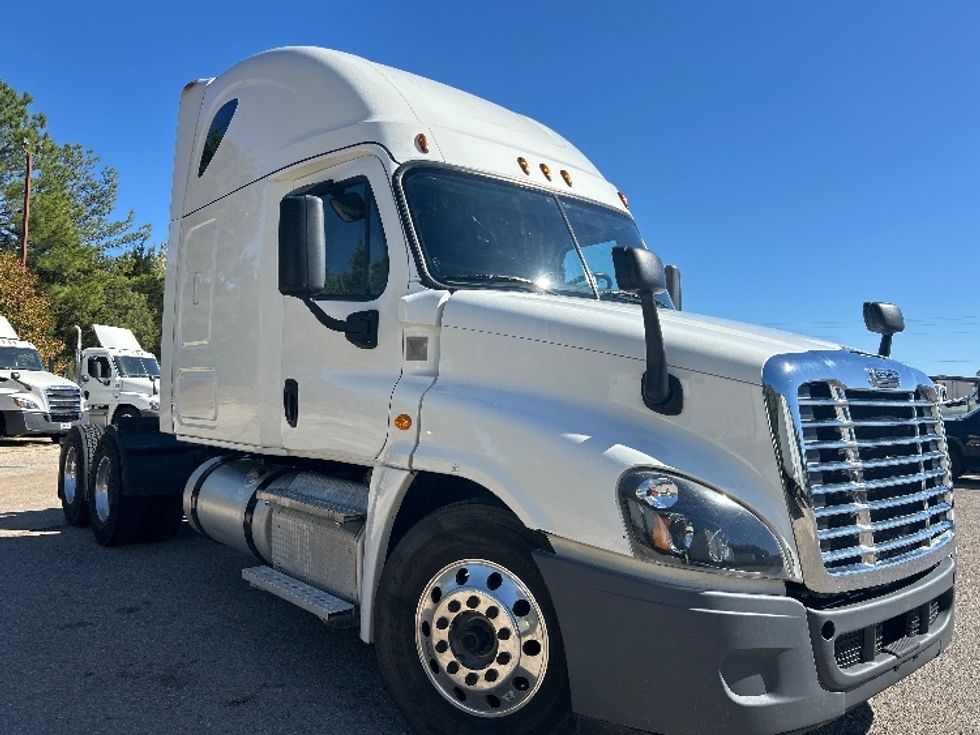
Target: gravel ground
{"points": [[167, 638]]}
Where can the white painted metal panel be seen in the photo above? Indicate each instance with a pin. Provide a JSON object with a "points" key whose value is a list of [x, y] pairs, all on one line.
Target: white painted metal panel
{"points": [[118, 338], [344, 390]]}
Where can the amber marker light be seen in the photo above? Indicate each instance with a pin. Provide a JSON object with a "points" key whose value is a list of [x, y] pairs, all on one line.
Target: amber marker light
{"points": [[522, 162], [566, 176], [624, 200], [422, 142], [546, 171], [403, 421]]}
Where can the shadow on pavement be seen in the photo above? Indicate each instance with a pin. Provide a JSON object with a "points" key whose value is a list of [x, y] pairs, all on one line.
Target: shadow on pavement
{"points": [[856, 722], [166, 638], [968, 482]]}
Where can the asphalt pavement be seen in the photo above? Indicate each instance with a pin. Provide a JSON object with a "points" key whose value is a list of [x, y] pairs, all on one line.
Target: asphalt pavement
{"points": [[167, 638]]}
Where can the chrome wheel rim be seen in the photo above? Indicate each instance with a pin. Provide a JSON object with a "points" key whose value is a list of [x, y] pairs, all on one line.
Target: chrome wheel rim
{"points": [[102, 489], [481, 638], [71, 475]]}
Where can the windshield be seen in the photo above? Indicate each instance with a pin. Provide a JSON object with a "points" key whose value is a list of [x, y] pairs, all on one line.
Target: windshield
{"points": [[475, 230], [19, 358], [137, 367]]}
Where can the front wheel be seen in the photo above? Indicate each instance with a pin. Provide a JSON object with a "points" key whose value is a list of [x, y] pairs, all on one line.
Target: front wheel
{"points": [[467, 638]]}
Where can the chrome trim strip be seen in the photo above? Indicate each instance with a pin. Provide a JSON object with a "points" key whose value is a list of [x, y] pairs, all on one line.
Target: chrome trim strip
{"points": [[915, 538], [860, 402], [941, 548], [919, 497], [893, 442], [850, 487], [922, 515], [839, 424], [870, 463]]}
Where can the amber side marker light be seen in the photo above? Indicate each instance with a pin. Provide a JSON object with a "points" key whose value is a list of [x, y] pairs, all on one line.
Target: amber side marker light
{"points": [[624, 200], [422, 142], [403, 421], [546, 171], [566, 176], [522, 162]]}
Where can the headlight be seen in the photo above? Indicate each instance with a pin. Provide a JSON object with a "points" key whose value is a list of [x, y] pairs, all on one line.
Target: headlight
{"points": [[26, 403], [682, 522]]}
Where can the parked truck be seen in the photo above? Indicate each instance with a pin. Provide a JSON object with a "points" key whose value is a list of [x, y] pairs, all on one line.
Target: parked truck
{"points": [[419, 363], [33, 401], [118, 378]]}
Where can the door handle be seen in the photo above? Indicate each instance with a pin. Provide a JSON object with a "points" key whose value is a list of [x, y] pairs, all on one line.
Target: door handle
{"points": [[290, 401]]}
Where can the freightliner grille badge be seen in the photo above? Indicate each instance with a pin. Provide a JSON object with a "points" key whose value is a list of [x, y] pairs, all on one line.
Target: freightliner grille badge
{"points": [[881, 378]]}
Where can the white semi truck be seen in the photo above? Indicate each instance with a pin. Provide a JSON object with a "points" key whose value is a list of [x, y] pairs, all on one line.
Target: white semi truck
{"points": [[33, 401], [118, 378], [418, 362]]}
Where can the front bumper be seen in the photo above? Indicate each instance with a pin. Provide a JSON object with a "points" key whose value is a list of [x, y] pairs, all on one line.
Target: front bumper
{"points": [[657, 657], [31, 423]]}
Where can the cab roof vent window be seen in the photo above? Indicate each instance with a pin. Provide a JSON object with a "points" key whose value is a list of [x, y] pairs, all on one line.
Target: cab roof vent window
{"points": [[219, 125]]}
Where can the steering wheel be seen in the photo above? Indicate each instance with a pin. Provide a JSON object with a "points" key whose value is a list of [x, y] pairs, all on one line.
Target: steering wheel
{"points": [[598, 276]]}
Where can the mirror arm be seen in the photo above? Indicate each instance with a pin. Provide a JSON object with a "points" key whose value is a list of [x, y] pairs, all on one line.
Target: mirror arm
{"points": [[360, 328], [661, 391], [885, 348]]}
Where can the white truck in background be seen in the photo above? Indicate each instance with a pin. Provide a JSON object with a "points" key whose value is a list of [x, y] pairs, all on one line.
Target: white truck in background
{"points": [[418, 362], [118, 378], [33, 401]]}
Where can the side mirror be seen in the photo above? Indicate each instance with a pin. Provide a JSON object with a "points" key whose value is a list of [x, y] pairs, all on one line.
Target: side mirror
{"points": [[638, 270], [674, 284], [885, 319], [302, 246], [303, 261], [642, 272], [15, 376]]}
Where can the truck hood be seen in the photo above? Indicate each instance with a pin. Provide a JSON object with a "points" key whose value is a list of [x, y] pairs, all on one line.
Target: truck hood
{"points": [[37, 379], [719, 347]]}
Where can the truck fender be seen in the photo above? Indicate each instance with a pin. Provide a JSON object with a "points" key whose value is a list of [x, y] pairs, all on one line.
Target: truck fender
{"points": [[388, 488]]}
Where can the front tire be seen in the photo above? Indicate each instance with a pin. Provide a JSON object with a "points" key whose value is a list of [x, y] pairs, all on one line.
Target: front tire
{"points": [[467, 637]]}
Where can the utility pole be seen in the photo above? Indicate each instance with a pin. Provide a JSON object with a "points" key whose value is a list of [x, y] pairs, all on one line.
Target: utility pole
{"points": [[25, 233]]}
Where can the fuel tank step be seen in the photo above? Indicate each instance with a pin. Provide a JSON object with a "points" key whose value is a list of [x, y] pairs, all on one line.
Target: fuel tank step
{"points": [[332, 499], [325, 606]]}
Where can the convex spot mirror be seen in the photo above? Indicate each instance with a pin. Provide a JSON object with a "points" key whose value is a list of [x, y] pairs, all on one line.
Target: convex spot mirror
{"points": [[881, 317], [302, 246], [639, 270], [885, 319]]}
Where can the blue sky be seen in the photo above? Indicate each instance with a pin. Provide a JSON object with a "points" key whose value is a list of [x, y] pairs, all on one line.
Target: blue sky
{"points": [[793, 158]]}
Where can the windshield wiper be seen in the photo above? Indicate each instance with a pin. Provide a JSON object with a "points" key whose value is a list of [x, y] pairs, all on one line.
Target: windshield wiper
{"points": [[630, 298], [476, 278]]}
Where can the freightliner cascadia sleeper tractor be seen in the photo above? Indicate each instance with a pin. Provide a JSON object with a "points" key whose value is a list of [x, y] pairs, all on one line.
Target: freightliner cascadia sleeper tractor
{"points": [[419, 363], [33, 401], [118, 378]]}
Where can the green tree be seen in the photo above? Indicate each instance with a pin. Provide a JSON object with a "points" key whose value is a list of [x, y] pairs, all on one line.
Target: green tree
{"points": [[93, 268]]}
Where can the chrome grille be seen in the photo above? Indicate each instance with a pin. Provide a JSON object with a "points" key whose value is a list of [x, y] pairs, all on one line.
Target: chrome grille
{"points": [[877, 474], [64, 403]]}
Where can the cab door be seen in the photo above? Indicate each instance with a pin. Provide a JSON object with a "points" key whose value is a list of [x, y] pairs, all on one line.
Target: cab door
{"points": [[335, 393], [96, 378]]}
